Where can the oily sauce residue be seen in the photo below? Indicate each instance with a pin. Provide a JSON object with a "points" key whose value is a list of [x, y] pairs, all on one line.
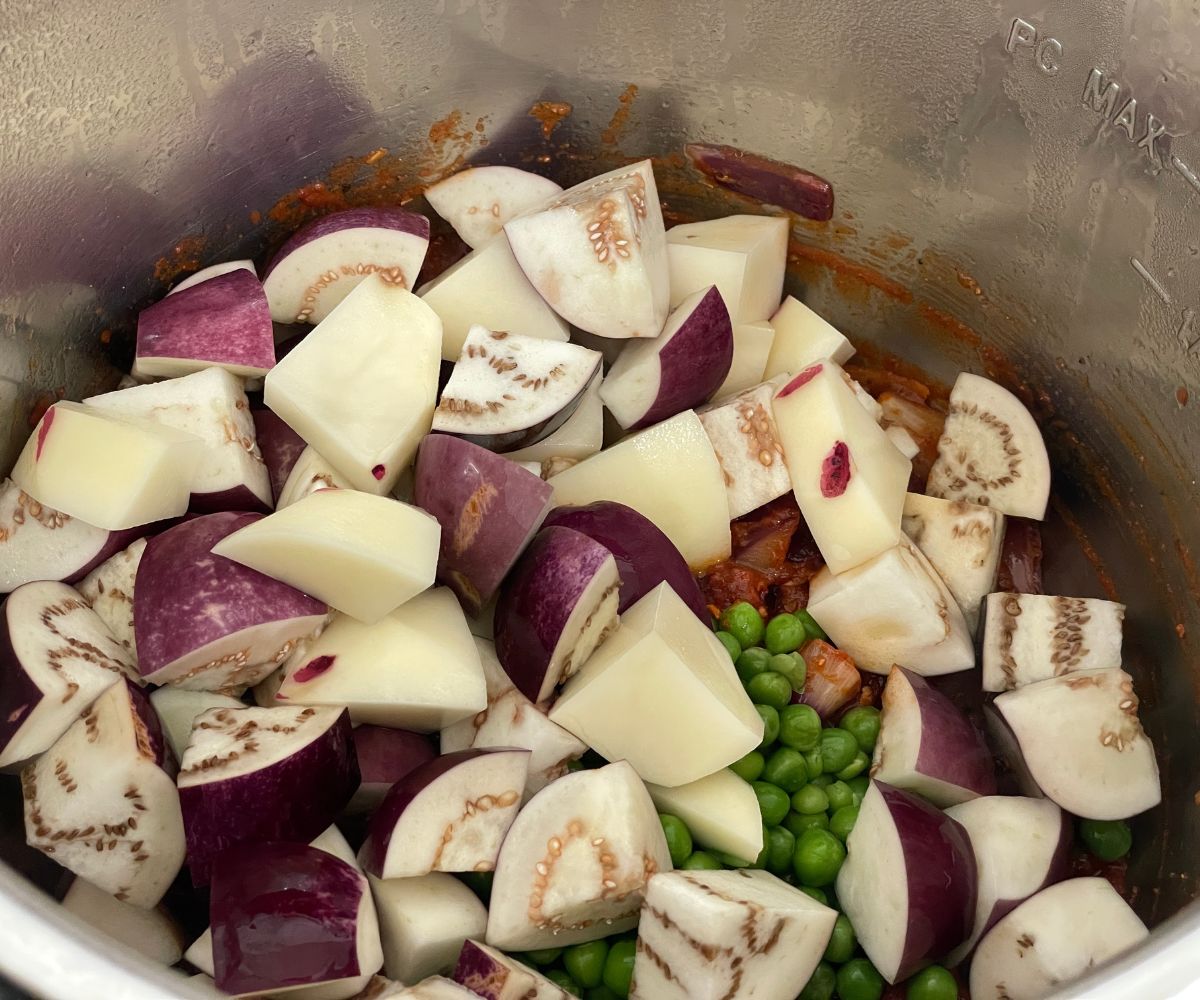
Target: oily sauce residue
{"points": [[550, 114], [611, 135], [185, 256], [847, 275]]}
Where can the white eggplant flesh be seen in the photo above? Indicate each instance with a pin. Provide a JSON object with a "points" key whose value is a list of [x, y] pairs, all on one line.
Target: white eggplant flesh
{"points": [[56, 657], [512, 720], [109, 590], [746, 442], [1021, 846], [597, 253], [102, 801], [576, 861], [962, 541], [579, 438], [991, 452], [449, 814], [1080, 739], [727, 935], [508, 390], [177, 709], [665, 652], [1052, 939], [39, 543], [150, 932], [478, 201], [1032, 637]]}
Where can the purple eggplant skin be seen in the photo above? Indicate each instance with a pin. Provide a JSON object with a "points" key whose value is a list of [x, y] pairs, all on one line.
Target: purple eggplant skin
{"points": [[387, 755], [179, 579], [150, 734], [233, 499], [955, 752], [384, 757], [280, 446], [293, 799], [225, 320], [19, 695], [283, 914], [768, 181], [355, 218], [483, 973], [694, 362], [373, 853], [537, 600], [645, 556], [929, 837], [488, 508]]}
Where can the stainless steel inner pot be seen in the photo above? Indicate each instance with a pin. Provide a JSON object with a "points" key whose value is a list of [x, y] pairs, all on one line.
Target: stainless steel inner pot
{"points": [[1017, 188]]}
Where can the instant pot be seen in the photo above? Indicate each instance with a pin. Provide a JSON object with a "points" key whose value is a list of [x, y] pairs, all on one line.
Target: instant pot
{"points": [[1017, 194]]}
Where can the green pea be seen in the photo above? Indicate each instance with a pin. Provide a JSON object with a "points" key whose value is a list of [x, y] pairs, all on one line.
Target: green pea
{"points": [[786, 768], [785, 633], [752, 662], [781, 845], [701, 861], [479, 883], [773, 802], [838, 748], [732, 646], [563, 980], [810, 800], [544, 956], [585, 962], [814, 763], [744, 623], [821, 984], [1106, 839], [770, 725], [842, 822], [858, 980], [855, 767], [842, 942], [601, 993], [797, 823], [819, 855], [618, 966], [770, 688], [679, 842], [817, 894], [800, 728], [933, 983], [811, 628], [859, 786], [750, 767], [791, 667], [862, 722], [839, 795]]}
